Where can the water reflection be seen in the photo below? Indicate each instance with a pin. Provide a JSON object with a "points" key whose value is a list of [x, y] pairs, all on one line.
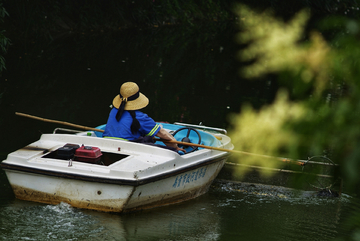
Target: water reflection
{"points": [[27, 221], [230, 211], [195, 220], [283, 214]]}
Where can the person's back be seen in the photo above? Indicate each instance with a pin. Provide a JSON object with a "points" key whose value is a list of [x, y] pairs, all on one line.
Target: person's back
{"points": [[122, 129]]}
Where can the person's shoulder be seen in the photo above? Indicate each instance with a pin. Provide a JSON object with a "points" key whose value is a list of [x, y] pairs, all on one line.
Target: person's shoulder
{"points": [[142, 115]]}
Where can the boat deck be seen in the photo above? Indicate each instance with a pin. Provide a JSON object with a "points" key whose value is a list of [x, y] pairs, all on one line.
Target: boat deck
{"points": [[129, 160]]}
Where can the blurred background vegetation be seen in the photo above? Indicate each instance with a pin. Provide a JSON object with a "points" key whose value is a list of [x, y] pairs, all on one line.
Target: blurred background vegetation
{"points": [[4, 41], [52, 19], [317, 107], [309, 48]]}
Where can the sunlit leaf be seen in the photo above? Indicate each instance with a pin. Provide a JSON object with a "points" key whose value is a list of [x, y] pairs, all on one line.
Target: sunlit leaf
{"points": [[276, 46], [264, 132]]}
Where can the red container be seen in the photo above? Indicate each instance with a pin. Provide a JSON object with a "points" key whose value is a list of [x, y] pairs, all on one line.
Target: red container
{"points": [[88, 154]]}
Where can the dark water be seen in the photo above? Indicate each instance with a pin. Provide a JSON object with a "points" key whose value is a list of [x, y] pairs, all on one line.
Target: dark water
{"points": [[189, 75], [227, 212]]}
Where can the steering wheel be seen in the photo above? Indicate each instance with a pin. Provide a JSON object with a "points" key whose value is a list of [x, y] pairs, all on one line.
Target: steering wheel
{"points": [[187, 139]]}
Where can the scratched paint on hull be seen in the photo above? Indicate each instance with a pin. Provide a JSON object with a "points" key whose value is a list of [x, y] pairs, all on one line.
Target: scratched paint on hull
{"points": [[80, 194], [41, 197], [147, 197], [112, 197]]}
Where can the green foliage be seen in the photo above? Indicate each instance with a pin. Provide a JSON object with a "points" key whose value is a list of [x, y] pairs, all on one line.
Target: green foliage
{"points": [[265, 132], [4, 41], [330, 103], [322, 118], [50, 19]]}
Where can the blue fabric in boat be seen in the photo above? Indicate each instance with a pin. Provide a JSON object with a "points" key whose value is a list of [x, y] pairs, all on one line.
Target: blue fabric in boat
{"points": [[148, 140]]}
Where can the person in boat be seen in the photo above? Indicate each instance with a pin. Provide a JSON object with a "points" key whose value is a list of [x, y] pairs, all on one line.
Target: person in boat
{"points": [[127, 122]]}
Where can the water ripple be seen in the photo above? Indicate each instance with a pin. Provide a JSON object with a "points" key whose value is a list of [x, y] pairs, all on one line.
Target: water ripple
{"points": [[46, 222]]}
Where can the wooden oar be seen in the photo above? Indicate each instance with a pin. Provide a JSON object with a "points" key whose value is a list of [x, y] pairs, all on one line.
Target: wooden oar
{"points": [[287, 160], [296, 162], [59, 122]]}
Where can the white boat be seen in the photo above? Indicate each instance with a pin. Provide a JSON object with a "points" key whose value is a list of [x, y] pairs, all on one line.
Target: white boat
{"points": [[117, 176]]}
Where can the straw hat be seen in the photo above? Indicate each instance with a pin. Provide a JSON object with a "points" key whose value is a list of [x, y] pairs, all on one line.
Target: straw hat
{"points": [[134, 100]]}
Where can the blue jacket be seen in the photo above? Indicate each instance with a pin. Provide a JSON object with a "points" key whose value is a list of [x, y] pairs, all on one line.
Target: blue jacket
{"points": [[122, 130]]}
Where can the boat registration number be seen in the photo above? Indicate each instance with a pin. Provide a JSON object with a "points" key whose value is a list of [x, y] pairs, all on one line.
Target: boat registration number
{"points": [[189, 177]]}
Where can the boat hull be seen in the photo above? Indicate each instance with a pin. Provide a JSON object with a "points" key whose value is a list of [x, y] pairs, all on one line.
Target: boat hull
{"points": [[128, 176], [108, 196], [175, 189]]}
